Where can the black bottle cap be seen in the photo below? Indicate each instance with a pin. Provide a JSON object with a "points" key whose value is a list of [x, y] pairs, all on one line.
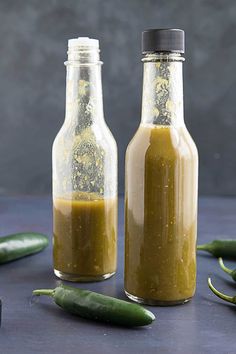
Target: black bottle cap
{"points": [[163, 40]]}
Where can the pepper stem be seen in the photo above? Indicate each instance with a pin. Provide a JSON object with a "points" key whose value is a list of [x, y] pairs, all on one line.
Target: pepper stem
{"points": [[48, 292], [205, 247], [222, 266], [222, 296]]}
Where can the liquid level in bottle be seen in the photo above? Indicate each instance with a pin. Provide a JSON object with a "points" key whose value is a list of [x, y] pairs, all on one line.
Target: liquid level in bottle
{"points": [[85, 237]]}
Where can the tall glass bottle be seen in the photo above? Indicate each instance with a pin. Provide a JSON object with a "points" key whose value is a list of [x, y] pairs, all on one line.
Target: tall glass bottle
{"points": [[161, 182], [84, 174]]}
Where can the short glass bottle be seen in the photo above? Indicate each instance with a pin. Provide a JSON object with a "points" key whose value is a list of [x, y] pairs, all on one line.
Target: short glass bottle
{"points": [[84, 174], [161, 185]]}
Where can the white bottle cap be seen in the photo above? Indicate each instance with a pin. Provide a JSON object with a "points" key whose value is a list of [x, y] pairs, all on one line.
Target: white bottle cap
{"points": [[83, 42]]}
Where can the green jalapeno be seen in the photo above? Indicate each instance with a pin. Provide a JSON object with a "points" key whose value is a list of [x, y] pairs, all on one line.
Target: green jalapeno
{"points": [[231, 299], [220, 248], [22, 244], [231, 272], [98, 307]]}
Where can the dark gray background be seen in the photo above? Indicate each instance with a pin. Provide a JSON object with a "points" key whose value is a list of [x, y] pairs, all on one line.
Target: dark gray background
{"points": [[33, 44]]}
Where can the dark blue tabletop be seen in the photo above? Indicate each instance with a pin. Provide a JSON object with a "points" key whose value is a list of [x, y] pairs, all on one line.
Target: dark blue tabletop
{"points": [[205, 325]]}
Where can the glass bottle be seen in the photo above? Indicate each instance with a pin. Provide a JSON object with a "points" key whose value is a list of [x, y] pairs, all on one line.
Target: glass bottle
{"points": [[84, 174], [161, 182]]}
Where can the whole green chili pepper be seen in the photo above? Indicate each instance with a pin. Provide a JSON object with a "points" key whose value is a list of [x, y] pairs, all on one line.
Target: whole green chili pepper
{"points": [[220, 248], [98, 307], [222, 296], [231, 272], [22, 244]]}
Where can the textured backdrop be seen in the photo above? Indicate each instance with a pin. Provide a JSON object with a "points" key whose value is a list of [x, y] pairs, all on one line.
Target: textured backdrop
{"points": [[33, 45]]}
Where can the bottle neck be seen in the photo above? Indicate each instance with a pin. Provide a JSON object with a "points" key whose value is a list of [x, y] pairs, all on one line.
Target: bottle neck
{"points": [[162, 101], [84, 101]]}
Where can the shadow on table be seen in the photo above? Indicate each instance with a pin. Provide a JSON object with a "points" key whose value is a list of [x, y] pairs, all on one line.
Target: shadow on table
{"points": [[121, 295], [229, 282], [218, 302], [205, 255]]}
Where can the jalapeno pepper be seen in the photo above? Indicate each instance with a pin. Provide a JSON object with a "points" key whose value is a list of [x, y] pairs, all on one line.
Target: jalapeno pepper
{"points": [[222, 296], [231, 272], [22, 244], [98, 307], [220, 248]]}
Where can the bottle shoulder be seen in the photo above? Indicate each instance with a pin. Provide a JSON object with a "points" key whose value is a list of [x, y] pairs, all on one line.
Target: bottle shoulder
{"points": [[94, 136], [165, 141], [58, 137]]}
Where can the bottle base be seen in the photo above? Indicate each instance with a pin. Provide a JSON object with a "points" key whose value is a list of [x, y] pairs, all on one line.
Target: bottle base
{"points": [[82, 278], [152, 302]]}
